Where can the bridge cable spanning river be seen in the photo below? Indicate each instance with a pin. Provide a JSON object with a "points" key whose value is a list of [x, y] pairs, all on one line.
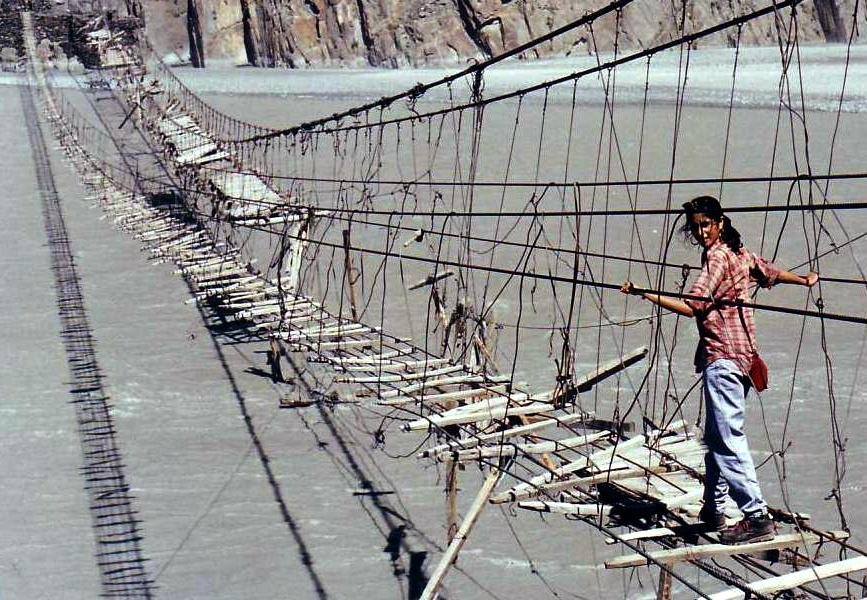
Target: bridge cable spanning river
{"points": [[367, 215]]}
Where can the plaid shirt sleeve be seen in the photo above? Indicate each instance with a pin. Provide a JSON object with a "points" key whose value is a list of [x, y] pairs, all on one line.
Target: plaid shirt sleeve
{"points": [[708, 282], [764, 272]]}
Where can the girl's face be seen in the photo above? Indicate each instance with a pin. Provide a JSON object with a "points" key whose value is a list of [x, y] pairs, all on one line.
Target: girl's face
{"points": [[705, 230]]}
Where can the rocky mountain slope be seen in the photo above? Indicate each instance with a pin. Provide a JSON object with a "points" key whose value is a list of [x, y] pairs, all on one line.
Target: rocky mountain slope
{"points": [[397, 33]]}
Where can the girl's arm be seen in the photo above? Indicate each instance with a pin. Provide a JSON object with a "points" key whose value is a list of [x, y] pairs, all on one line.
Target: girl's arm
{"points": [[666, 302], [809, 280], [767, 274]]}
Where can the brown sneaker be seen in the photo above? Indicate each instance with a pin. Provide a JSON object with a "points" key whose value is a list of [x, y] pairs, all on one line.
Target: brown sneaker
{"points": [[750, 529], [711, 517]]}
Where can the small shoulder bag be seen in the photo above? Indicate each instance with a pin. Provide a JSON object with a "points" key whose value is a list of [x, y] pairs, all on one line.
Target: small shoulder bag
{"points": [[758, 372], [758, 368]]}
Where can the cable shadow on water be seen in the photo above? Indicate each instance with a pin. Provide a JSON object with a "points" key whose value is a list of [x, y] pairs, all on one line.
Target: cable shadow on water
{"points": [[391, 524], [213, 325]]}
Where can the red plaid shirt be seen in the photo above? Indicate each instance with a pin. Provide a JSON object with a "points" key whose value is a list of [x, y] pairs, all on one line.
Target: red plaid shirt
{"points": [[727, 331]]}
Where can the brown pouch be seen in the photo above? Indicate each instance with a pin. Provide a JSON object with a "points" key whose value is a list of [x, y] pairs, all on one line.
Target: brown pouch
{"points": [[759, 373]]}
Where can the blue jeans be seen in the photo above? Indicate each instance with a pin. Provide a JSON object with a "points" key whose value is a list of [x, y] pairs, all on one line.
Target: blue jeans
{"points": [[729, 469]]}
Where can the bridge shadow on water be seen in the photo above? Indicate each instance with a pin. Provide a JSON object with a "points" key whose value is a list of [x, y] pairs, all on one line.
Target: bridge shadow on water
{"points": [[120, 559]]}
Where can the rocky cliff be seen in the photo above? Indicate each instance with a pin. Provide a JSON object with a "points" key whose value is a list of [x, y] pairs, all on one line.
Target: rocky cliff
{"points": [[397, 33]]}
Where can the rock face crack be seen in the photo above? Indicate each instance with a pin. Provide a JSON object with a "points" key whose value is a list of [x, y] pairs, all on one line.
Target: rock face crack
{"points": [[194, 32], [828, 15], [370, 48], [472, 26], [250, 45]]}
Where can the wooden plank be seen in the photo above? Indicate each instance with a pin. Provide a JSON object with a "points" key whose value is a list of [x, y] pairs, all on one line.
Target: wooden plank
{"points": [[444, 381], [642, 534], [470, 394], [505, 434], [486, 404], [390, 366], [398, 377], [525, 490], [616, 475], [796, 579], [315, 346], [684, 499], [295, 337], [527, 448], [687, 553], [566, 508], [369, 359], [203, 160], [480, 415]]}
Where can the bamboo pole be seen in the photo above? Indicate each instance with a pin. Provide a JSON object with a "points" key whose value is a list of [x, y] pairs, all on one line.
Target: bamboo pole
{"points": [[663, 592], [460, 538]]}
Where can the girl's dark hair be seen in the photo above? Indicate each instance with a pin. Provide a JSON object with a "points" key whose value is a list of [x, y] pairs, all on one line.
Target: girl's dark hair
{"points": [[710, 206]]}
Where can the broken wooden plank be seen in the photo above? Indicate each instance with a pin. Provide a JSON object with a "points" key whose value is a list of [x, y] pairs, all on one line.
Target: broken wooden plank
{"points": [[430, 280], [610, 368]]}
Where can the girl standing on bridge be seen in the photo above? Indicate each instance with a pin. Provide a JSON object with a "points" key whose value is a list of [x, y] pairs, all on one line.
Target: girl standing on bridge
{"points": [[728, 360]]}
